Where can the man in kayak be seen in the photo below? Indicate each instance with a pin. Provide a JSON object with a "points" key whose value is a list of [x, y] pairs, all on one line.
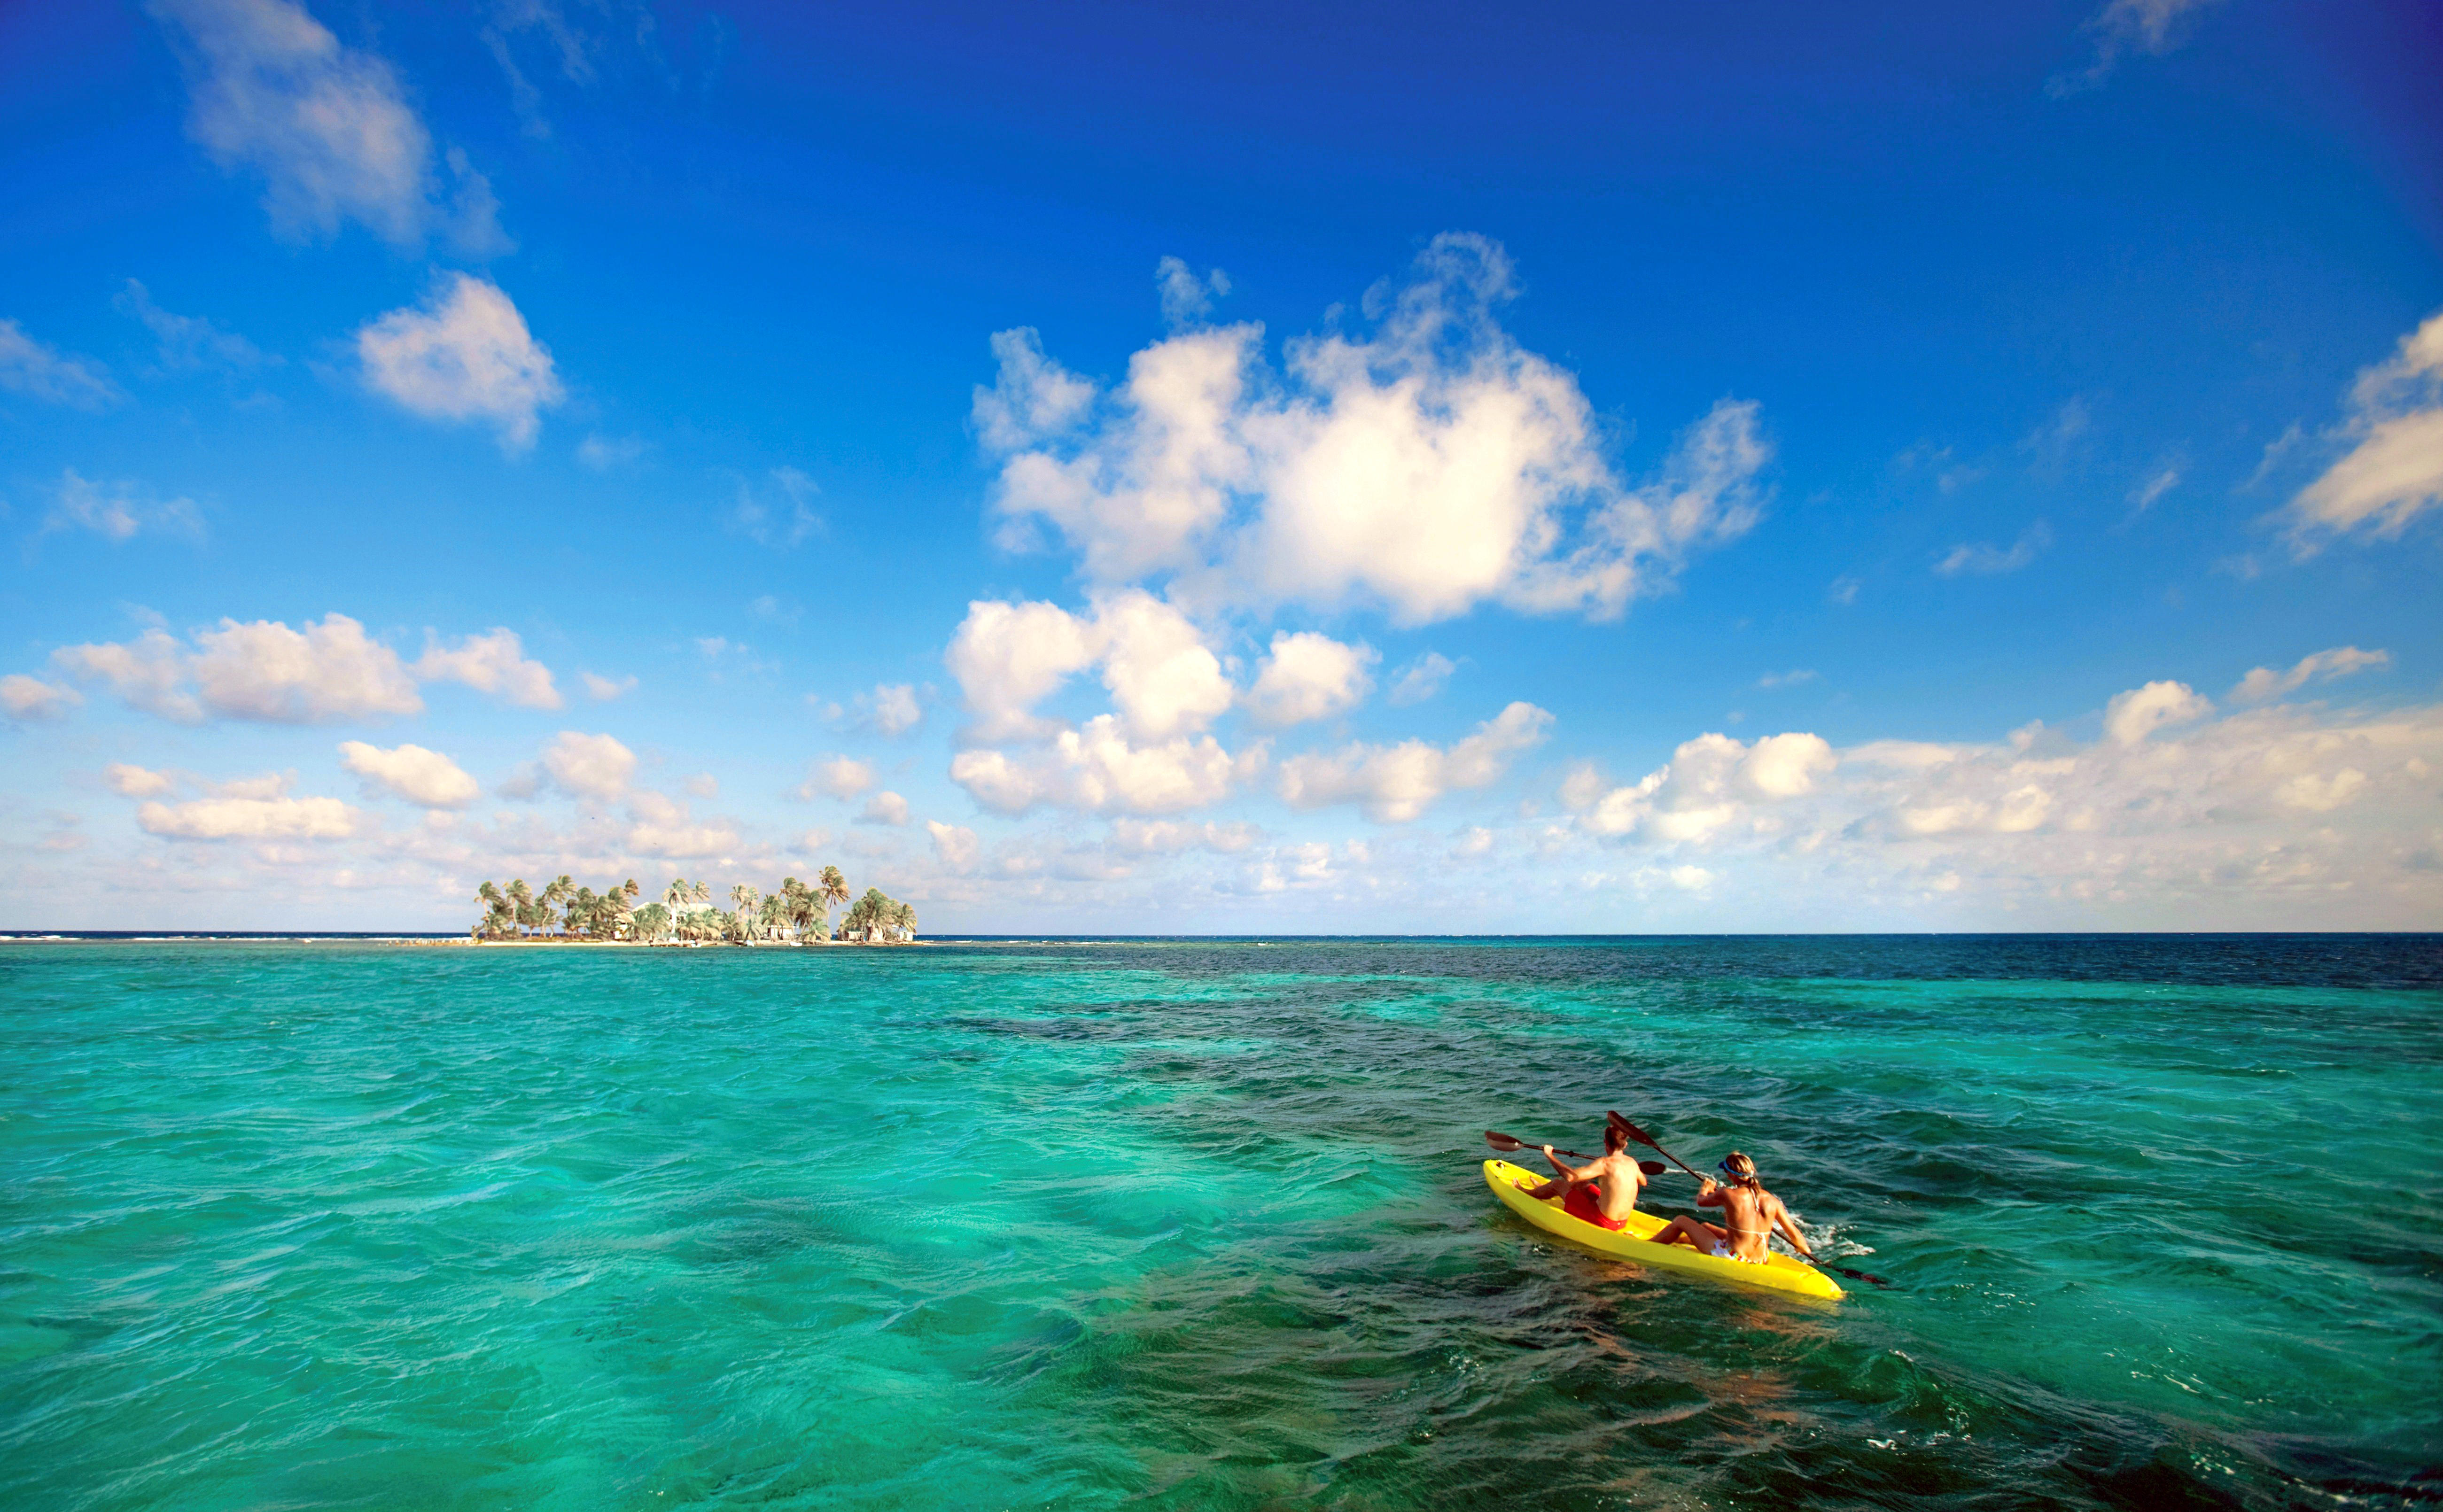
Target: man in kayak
{"points": [[1749, 1214], [1603, 1192]]}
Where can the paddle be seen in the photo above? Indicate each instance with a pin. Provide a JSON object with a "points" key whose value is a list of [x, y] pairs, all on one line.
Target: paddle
{"points": [[1505, 1144], [1645, 1138]]}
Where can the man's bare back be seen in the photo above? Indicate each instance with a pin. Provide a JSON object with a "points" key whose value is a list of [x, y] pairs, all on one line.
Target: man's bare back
{"points": [[1611, 1180]]}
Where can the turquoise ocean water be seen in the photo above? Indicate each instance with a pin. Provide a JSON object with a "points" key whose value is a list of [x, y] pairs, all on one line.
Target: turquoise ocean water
{"points": [[1201, 1225]]}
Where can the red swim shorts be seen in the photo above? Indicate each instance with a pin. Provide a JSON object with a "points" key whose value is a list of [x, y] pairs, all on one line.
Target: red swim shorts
{"points": [[1585, 1201]]}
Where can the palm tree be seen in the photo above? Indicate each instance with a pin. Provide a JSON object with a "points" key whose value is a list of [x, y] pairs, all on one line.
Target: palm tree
{"points": [[793, 903], [651, 922], [521, 902], [745, 902], [558, 891], [867, 914], [830, 891], [583, 911], [619, 906], [676, 896], [903, 916], [773, 915], [499, 918]]}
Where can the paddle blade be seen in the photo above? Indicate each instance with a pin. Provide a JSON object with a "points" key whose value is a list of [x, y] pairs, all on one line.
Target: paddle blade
{"points": [[1631, 1130], [1503, 1143], [1652, 1168]]}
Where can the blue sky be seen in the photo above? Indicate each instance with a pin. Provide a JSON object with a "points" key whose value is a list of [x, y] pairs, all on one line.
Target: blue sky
{"points": [[1094, 469]]}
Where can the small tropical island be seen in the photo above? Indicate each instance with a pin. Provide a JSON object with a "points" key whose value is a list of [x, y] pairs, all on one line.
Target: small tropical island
{"points": [[794, 913]]}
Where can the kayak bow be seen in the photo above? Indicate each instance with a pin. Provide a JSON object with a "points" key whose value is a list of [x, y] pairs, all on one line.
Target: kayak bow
{"points": [[1779, 1272]]}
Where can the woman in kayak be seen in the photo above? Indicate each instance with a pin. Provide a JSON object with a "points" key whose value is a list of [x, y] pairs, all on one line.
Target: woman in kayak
{"points": [[1749, 1214], [1603, 1192]]}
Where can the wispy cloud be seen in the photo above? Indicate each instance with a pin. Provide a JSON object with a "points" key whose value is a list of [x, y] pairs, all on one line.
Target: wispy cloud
{"points": [[2394, 469], [610, 453], [2142, 498], [119, 511], [2123, 28], [1421, 679], [778, 513], [44, 371], [326, 125], [1981, 558], [2323, 667], [190, 343], [1187, 298]]}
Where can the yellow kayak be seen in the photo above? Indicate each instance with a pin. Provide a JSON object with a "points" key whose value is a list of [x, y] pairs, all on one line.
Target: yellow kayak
{"points": [[1779, 1272]]}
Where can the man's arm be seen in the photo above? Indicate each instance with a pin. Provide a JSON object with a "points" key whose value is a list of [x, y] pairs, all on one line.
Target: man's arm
{"points": [[1572, 1175]]}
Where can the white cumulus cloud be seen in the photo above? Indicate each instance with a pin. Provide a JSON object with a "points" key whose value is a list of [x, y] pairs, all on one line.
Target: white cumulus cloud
{"points": [[1009, 657], [1098, 769], [494, 663], [954, 845], [1308, 676], [1712, 785], [147, 672], [1396, 783], [30, 698], [895, 709], [1428, 468], [331, 671], [885, 808], [589, 766], [327, 671], [839, 777], [131, 781], [1161, 674], [411, 771], [464, 355], [2171, 807], [2133, 716], [250, 809]]}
